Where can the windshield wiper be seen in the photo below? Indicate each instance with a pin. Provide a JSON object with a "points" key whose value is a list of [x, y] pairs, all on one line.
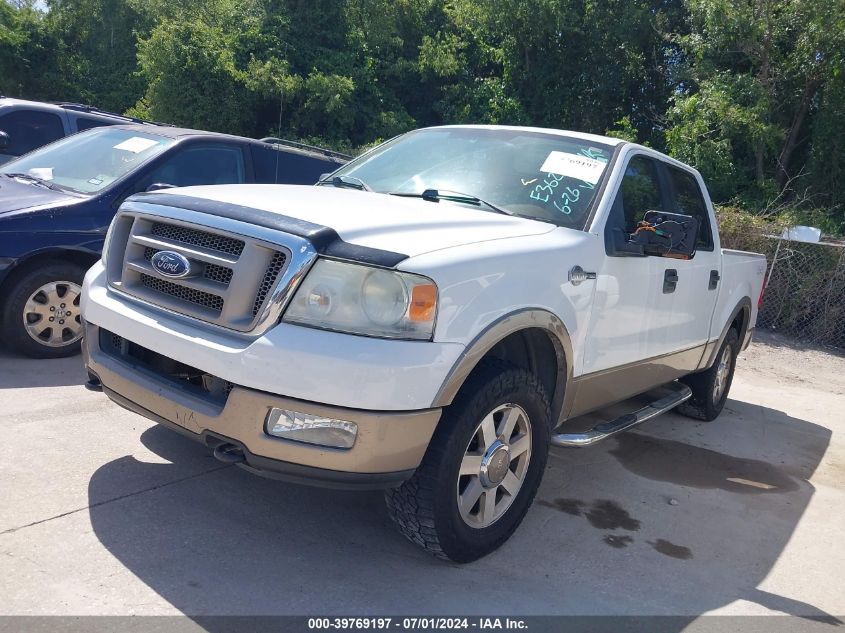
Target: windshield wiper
{"points": [[350, 182], [35, 180], [436, 195]]}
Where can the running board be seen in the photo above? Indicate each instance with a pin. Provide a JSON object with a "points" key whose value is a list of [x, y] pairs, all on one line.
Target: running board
{"points": [[680, 393]]}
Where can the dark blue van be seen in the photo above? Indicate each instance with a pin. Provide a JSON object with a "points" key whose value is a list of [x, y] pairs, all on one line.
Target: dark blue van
{"points": [[56, 204]]}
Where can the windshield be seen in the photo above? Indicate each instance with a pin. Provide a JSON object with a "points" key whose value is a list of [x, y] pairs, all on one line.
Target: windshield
{"points": [[89, 161], [543, 176]]}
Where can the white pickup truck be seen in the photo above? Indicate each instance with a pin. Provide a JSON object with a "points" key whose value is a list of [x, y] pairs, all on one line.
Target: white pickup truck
{"points": [[426, 319]]}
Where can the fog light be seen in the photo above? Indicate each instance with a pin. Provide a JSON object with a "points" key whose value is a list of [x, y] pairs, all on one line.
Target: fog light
{"points": [[311, 429]]}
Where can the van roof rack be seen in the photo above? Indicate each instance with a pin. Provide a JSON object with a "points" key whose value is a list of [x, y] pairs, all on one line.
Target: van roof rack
{"points": [[272, 140], [81, 107]]}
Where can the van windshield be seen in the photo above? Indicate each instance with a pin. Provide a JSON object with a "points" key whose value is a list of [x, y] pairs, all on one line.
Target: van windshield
{"points": [[89, 161], [543, 176]]}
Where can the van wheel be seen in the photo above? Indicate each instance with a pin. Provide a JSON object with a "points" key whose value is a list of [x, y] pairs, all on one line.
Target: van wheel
{"points": [[482, 467], [41, 316], [710, 388]]}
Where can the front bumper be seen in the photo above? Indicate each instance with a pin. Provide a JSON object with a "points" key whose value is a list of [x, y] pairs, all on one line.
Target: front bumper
{"points": [[344, 370], [388, 448]]}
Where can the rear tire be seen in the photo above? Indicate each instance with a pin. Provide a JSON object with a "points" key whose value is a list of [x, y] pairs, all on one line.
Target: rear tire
{"points": [[51, 291], [710, 388], [482, 468]]}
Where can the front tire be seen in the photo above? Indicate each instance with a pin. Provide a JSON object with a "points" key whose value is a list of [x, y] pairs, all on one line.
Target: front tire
{"points": [[482, 468], [41, 313], [710, 388]]}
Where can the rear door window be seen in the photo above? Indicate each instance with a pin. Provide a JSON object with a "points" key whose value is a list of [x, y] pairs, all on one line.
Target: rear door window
{"points": [[687, 199], [30, 129], [201, 165]]}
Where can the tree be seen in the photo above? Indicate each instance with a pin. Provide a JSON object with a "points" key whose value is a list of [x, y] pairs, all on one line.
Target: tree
{"points": [[760, 78]]}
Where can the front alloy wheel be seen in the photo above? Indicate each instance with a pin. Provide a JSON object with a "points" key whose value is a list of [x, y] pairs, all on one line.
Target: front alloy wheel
{"points": [[482, 467], [51, 314], [40, 311], [494, 465]]}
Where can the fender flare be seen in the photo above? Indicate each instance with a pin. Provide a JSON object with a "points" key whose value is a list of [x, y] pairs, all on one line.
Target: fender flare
{"points": [[76, 255], [709, 356], [497, 331]]}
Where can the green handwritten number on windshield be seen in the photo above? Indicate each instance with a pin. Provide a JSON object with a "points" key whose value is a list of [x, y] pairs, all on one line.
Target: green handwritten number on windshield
{"points": [[565, 209], [569, 196], [595, 154], [543, 192], [536, 193]]}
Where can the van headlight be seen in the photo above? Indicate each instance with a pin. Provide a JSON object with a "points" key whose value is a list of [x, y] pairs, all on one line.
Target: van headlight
{"points": [[365, 300]]}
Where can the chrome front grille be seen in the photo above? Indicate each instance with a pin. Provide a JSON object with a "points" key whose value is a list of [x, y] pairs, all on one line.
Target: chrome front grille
{"points": [[200, 298], [195, 237], [277, 265], [214, 272], [235, 280]]}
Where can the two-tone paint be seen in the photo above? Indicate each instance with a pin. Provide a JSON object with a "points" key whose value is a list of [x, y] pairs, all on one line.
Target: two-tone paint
{"points": [[505, 288]]}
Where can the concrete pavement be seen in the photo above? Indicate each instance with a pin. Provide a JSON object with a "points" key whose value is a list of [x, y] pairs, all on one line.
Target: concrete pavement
{"points": [[103, 512]]}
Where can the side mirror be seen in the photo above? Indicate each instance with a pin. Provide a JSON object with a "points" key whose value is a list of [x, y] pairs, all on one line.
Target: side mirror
{"points": [[669, 234], [158, 186], [5, 141]]}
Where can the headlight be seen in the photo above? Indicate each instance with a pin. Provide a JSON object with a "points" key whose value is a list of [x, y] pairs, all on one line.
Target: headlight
{"points": [[365, 300]]}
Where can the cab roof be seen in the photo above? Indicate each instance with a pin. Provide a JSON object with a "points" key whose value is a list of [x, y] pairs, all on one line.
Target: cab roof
{"points": [[594, 138]]}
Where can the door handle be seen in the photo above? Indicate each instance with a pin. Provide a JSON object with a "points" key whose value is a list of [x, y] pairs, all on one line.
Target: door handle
{"points": [[578, 275], [670, 280], [714, 280]]}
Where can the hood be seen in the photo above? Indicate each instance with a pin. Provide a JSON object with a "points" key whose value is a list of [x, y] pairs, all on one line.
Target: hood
{"points": [[17, 196], [410, 226]]}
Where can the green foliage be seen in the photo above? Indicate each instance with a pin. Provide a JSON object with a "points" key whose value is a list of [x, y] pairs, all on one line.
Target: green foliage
{"points": [[752, 93], [31, 53], [760, 110], [624, 129], [192, 73]]}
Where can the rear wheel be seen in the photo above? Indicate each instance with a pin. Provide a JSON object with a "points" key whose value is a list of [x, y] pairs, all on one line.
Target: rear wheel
{"points": [[710, 388], [41, 317], [482, 468]]}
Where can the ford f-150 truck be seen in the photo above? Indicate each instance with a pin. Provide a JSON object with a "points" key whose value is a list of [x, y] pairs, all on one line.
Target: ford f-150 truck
{"points": [[427, 319]]}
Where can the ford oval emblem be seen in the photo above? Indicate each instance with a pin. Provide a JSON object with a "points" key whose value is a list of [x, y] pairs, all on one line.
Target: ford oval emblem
{"points": [[171, 264]]}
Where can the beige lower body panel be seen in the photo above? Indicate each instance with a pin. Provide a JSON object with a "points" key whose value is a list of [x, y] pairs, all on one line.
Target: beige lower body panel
{"points": [[604, 388], [386, 441]]}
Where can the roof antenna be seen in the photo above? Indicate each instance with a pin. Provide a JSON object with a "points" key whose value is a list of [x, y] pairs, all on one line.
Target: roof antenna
{"points": [[279, 132], [281, 109]]}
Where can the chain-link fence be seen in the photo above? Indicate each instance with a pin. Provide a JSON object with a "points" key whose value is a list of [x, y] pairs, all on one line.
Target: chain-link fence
{"points": [[805, 292]]}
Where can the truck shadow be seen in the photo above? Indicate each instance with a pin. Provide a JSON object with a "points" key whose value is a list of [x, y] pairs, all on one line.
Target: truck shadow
{"points": [[21, 372], [677, 519]]}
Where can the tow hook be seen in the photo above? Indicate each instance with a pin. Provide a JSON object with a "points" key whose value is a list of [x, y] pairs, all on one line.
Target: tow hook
{"points": [[229, 454]]}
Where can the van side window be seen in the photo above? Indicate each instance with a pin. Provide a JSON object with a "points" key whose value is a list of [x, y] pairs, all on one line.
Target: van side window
{"points": [[29, 129], [278, 165], [638, 193], [687, 199], [201, 165], [84, 123]]}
